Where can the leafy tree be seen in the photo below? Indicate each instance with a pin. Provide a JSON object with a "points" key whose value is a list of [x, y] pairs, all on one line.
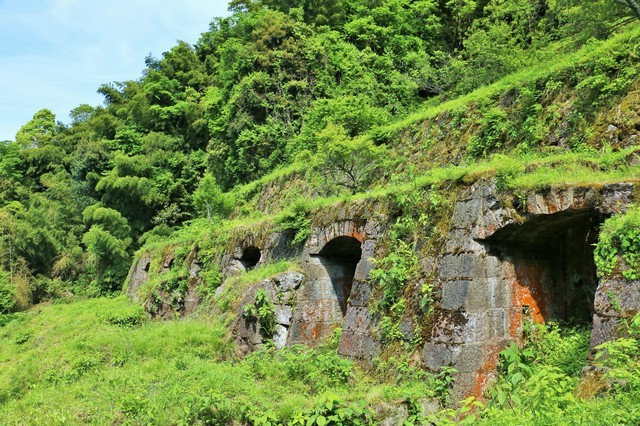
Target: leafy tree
{"points": [[7, 293], [9, 161], [39, 131], [8, 243], [81, 114], [108, 258], [633, 5], [348, 163], [129, 188], [108, 219], [209, 200], [106, 241], [10, 171]]}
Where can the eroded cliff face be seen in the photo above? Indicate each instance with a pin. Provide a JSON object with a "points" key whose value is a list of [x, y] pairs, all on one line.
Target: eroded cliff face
{"points": [[498, 267]]}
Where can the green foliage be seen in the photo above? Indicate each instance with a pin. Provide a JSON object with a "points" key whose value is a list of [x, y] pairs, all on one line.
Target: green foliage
{"points": [[131, 317], [210, 201], [262, 310], [621, 359], [39, 131], [543, 382], [541, 376], [318, 82], [98, 356], [9, 162], [348, 163], [211, 280], [108, 220], [618, 247], [393, 272], [559, 346], [494, 126], [7, 293], [295, 220], [335, 412], [318, 370]]}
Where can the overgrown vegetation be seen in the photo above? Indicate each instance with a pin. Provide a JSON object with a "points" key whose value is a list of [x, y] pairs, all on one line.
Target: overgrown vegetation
{"points": [[102, 362], [618, 248], [282, 110], [277, 83], [92, 362]]}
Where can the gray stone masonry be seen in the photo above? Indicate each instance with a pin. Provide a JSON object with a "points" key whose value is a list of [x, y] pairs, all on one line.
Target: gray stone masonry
{"points": [[489, 276], [479, 310]]}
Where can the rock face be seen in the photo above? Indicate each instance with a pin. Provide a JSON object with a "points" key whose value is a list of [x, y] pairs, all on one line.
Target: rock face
{"points": [[282, 290], [139, 274], [336, 260], [500, 266], [615, 299]]}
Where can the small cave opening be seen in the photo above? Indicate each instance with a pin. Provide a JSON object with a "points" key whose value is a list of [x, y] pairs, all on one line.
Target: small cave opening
{"points": [[553, 272], [250, 257], [340, 256]]}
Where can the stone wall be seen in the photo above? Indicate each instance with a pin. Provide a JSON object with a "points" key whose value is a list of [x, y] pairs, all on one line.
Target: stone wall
{"points": [[500, 266], [616, 299]]}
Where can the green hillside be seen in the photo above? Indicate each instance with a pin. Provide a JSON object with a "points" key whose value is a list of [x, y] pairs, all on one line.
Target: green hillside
{"points": [[283, 112]]}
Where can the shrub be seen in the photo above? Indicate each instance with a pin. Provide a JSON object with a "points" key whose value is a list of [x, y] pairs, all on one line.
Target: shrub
{"points": [[264, 312], [7, 294], [619, 240], [296, 222], [210, 201]]}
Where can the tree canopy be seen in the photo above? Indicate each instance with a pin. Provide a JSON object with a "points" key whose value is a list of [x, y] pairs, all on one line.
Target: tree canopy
{"points": [[275, 80]]}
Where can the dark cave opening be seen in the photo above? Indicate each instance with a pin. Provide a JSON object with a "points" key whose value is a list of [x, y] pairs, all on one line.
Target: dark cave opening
{"points": [[553, 272], [340, 256], [250, 257]]}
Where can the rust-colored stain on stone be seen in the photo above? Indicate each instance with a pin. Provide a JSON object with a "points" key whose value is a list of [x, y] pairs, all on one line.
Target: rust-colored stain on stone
{"points": [[528, 302], [487, 371], [528, 295], [357, 233]]}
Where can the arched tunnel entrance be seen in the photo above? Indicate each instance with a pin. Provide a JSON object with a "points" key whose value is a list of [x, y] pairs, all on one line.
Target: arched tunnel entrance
{"points": [[552, 270], [340, 257], [250, 257], [324, 297]]}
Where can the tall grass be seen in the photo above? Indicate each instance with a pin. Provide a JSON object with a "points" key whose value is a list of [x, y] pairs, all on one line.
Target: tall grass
{"points": [[102, 361]]}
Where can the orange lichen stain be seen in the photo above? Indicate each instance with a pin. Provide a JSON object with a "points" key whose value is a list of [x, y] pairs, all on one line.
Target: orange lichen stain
{"points": [[309, 332], [551, 206], [528, 301], [315, 332], [528, 296], [487, 371], [357, 233]]}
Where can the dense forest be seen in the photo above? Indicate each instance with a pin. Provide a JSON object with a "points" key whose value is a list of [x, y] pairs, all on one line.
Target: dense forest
{"points": [[272, 83], [334, 92]]}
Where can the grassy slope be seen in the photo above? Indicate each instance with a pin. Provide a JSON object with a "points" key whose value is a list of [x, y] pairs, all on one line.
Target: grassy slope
{"points": [[436, 140], [101, 362]]}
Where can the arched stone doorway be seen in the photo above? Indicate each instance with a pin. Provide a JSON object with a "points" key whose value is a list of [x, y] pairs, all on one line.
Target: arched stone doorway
{"points": [[340, 257], [324, 297], [551, 266]]}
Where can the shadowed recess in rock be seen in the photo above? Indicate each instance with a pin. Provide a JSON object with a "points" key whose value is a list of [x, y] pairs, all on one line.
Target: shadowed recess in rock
{"points": [[553, 272], [340, 257], [250, 257]]}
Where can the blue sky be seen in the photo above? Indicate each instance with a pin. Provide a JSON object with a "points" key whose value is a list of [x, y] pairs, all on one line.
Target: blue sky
{"points": [[56, 53]]}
